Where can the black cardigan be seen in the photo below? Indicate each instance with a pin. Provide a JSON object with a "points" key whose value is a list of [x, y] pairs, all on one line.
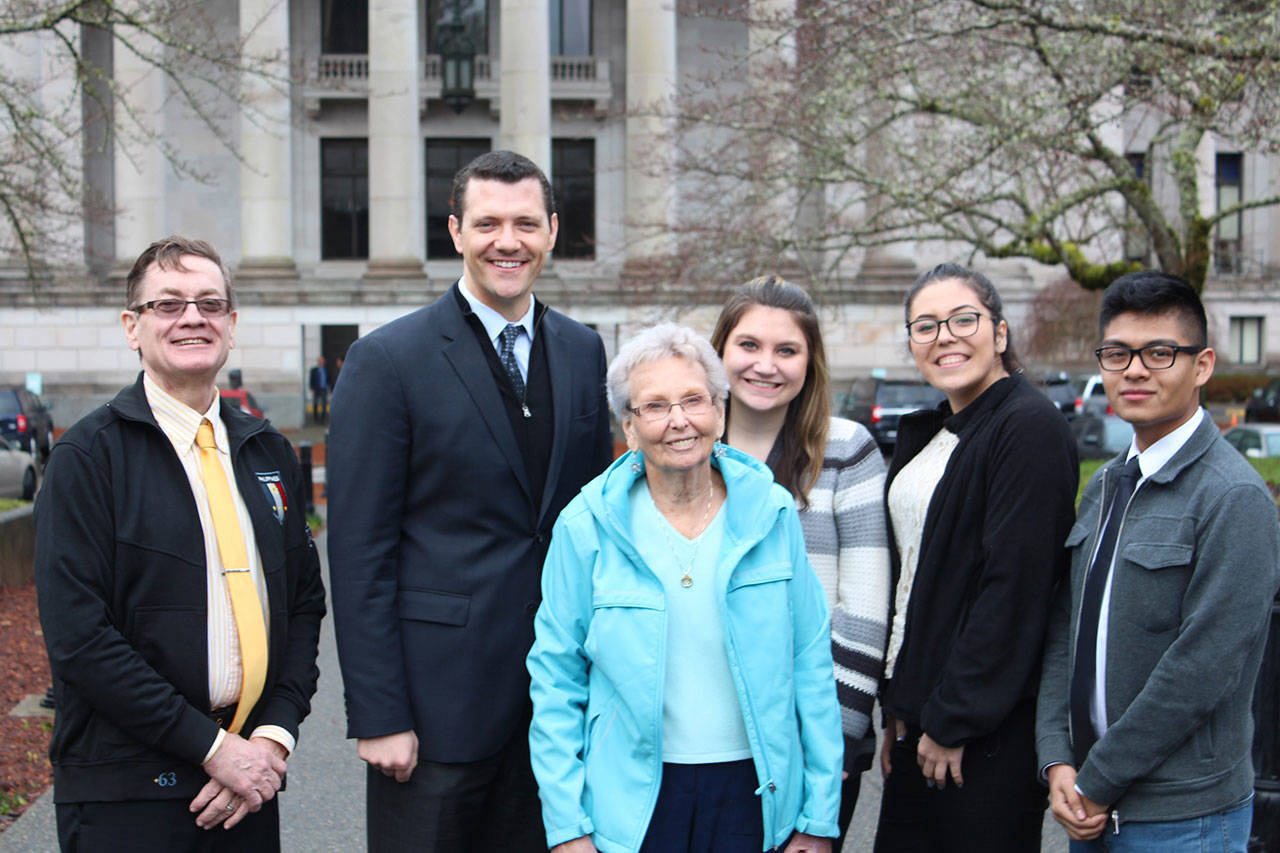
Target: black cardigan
{"points": [[990, 556]]}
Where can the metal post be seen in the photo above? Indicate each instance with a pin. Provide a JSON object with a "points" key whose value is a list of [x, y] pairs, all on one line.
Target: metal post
{"points": [[304, 456]]}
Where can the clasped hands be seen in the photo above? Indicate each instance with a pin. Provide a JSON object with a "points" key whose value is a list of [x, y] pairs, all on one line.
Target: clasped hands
{"points": [[1081, 817], [243, 774]]}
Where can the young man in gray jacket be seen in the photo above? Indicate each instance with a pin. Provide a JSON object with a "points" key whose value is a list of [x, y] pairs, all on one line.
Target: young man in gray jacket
{"points": [[1144, 726]]}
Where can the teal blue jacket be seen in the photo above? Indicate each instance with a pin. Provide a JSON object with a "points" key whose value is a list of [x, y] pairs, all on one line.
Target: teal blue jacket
{"points": [[598, 664]]}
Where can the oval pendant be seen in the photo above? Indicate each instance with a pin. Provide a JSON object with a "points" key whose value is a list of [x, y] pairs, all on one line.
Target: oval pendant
{"points": [[686, 581]]}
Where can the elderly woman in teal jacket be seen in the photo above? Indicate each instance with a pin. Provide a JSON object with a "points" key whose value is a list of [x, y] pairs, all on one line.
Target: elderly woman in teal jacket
{"points": [[681, 673]]}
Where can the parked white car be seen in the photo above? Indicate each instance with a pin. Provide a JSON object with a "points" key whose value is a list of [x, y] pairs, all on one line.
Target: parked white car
{"points": [[18, 472], [1093, 398]]}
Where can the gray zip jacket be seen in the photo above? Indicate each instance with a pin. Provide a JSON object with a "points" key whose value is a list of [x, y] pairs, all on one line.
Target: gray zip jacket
{"points": [[1196, 568]]}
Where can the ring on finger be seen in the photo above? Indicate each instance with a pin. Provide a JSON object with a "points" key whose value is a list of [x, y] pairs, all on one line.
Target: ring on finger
{"points": [[231, 806]]}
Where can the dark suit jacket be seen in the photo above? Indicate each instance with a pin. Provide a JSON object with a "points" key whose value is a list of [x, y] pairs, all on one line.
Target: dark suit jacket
{"points": [[435, 542], [120, 570], [316, 383]]}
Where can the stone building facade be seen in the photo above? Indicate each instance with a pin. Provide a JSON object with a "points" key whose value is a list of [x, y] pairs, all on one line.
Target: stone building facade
{"points": [[330, 209]]}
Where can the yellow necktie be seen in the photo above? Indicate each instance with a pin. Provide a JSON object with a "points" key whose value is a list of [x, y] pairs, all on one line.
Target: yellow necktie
{"points": [[246, 606]]}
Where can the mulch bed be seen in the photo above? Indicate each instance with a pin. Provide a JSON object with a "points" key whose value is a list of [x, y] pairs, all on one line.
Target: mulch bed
{"points": [[24, 669]]}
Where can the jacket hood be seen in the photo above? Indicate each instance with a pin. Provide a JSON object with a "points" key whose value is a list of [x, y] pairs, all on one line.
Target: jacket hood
{"points": [[752, 504]]}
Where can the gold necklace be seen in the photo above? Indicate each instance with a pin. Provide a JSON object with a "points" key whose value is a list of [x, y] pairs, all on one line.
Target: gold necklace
{"points": [[686, 580]]}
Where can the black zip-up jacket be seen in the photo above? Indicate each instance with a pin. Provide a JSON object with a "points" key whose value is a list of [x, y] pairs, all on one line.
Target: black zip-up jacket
{"points": [[120, 571], [992, 551]]}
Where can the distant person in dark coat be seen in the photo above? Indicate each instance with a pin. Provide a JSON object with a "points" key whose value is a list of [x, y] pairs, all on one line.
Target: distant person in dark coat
{"points": [[319, 392]]}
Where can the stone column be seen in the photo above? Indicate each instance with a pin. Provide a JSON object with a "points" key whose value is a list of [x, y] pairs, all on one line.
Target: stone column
{"points": [[266, 204], [525, 85], [395, 142], [651, 85], [140, 167]]}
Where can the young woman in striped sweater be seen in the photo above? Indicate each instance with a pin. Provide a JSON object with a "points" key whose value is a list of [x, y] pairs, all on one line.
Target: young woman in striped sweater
{"points": [[780, 412]]}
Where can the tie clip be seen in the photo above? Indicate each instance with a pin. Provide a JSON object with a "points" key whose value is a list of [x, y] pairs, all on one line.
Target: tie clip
{"points": [[229, 571]]}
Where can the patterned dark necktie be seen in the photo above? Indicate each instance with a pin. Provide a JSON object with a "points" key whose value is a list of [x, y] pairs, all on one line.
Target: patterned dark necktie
{"points": [[1083, 733], [508, 357]]}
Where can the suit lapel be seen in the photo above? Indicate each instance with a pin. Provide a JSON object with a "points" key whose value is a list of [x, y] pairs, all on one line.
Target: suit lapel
{"points": [[462, 351], [560, 373]]}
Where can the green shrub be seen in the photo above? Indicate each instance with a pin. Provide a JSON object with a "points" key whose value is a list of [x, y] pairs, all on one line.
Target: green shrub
{"points": [[1232, 387]]}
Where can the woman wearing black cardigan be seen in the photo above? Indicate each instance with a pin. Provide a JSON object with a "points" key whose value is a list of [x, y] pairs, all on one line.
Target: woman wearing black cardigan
{"points": [[980, 496]]}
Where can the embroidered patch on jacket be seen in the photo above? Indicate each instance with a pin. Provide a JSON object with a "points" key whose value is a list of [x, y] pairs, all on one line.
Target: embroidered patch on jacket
{"points": [[274, 488]]}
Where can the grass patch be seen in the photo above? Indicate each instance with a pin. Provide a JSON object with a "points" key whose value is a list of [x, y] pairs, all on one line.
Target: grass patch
{"points": [[7, 504], [12, 802], [1268, 468], [1087, 467], [315, 522]]}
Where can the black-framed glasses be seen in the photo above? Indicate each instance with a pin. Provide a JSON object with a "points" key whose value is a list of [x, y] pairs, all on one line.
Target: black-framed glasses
{"points": [[962, 324], [656, 410], [175, 307], [1113, 358]]}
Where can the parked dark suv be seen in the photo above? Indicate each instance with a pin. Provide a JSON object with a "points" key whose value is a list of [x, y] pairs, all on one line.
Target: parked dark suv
{"points": [[1264, 405], [880, 406], [1060, 388], [25, 421]]}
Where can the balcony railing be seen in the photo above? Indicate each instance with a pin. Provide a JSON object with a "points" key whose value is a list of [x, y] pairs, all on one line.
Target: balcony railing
{"points": [[346, 75]]}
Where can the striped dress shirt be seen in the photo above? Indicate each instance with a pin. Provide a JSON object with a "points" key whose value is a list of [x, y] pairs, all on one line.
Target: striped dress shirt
{"points": [[180, 422]]}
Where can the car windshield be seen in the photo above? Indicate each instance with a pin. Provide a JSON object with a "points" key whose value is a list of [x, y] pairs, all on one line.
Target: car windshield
{"points": [[9, 404], [1273, 444], [1119, 434], [923, 396]]}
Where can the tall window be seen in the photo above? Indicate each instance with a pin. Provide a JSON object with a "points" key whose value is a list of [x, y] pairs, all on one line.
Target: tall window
{"points": [[344, 26], [1246, 340], [1226, 244], [344, 198], [1137, 244], [474, 15], [570, 27], [573, 171], [444, 158]]}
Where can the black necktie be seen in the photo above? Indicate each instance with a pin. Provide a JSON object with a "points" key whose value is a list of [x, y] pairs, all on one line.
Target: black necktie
{"points": [[507, 355], [1083, 734]]}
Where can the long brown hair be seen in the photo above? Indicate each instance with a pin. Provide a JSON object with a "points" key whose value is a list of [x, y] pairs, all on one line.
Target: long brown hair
{"points": [[804, 432]]}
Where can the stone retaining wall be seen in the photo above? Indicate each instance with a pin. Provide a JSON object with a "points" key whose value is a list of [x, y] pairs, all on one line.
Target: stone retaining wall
{"points": [[17, 547]]}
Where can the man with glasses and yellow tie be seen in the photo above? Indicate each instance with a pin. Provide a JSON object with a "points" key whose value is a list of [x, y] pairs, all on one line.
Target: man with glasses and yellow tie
{"points": [[180, 591]]}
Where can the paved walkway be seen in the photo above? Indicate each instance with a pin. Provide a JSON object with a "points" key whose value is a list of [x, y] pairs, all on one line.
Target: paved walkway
{"points": [[323, 809]]}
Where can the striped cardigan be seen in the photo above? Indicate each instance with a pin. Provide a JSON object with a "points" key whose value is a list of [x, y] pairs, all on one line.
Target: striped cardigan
{"points": [[844, 533]]}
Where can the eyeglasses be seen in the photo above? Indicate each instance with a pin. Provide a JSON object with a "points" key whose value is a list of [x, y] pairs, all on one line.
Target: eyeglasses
{"points": [[176, 307], [961, 324], [1113, 359], [656, 410]]}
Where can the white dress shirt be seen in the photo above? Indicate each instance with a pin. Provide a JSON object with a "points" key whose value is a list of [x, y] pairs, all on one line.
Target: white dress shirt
{"points": [[494, 323], [1150, 461]]}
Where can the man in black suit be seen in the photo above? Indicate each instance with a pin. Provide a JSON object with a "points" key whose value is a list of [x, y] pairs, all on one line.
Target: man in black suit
{"points": [[180, 591], [459, 434], [320, 385]]}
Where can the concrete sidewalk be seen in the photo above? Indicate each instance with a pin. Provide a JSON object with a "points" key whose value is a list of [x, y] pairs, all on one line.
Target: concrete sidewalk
{"points": [[323, 809]]}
